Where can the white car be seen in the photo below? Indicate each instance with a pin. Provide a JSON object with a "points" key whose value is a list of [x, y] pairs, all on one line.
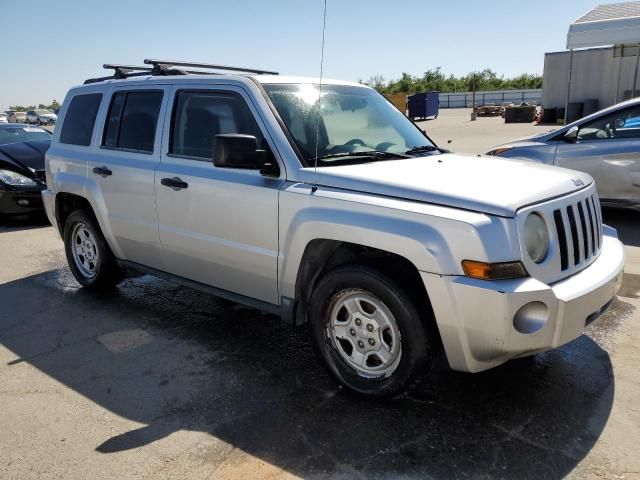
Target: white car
{"points": [[347, 218], [41, 117], [3, 118], [16, 117]]}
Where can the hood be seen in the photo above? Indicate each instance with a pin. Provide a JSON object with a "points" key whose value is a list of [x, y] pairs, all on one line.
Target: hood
{"points": [[479, 183], [24, 157], [532, 140]]}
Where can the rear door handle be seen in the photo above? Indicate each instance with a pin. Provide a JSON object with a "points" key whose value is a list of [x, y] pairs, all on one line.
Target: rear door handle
{"points": [[104, 171], [176, 183]]}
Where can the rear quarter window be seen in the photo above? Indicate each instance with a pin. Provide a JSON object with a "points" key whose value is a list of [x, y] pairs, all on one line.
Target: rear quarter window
{"points": [[80, 119]]}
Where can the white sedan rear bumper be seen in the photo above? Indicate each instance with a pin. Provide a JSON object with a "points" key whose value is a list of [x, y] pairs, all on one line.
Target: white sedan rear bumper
{"points": [[476, 317]]}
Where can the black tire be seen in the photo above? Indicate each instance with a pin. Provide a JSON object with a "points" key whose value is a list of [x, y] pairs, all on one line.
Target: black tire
{"points": [[416, 358], [107, 271]]}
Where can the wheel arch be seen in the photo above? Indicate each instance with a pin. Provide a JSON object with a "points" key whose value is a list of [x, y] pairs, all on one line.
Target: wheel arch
{"points": [[321, 256], [67, 203]]}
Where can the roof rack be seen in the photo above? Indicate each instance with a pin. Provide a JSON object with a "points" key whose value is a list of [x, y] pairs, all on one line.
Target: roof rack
{"points": [[159, 64], [121, 71], [168, 67]]}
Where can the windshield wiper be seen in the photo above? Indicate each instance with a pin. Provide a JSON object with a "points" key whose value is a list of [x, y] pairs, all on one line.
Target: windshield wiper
{"points": [[365, 153], [422, 148]]}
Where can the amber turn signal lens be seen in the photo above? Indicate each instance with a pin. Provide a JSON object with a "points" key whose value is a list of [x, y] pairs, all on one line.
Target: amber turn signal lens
{"points": [[493, 271], [498, 151]]}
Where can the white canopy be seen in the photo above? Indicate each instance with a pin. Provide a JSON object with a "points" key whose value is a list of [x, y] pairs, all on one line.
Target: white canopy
{"points": [[608, 24]]}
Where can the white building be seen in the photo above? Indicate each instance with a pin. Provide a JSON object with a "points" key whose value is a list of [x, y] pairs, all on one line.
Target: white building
{"points": [[601, 64]]}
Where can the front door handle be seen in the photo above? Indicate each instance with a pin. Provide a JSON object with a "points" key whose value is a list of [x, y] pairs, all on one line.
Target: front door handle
{"points": [[176, 183], [104, 171]]}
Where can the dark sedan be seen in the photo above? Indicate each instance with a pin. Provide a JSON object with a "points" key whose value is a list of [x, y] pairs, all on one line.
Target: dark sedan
{"points": [[22, 150]]}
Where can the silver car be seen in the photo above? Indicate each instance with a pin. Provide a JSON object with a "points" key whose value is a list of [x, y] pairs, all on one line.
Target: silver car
{"points": [[41, 117], [606, 145], [327, 206]]}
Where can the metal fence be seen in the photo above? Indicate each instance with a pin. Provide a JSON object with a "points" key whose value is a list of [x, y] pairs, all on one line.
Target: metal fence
{"points": [[496, 97]]}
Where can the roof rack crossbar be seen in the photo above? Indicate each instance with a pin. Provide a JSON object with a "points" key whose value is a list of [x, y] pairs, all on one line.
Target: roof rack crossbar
{"points": [[123, 71], [160, 64]]}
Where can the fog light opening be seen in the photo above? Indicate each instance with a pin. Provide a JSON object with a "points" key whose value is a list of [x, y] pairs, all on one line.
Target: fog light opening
{"points": [[531, 317]]}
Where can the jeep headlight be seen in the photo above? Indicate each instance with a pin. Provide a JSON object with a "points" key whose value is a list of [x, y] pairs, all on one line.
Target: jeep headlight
{"points": [[15, 179], [536, 237]]}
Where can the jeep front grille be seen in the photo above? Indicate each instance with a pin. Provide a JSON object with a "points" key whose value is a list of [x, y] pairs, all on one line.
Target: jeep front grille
{"points": [[575, 230], [579, 229]]}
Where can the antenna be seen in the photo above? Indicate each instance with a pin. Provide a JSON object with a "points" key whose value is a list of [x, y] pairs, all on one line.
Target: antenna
{"points": [[314, 188]]}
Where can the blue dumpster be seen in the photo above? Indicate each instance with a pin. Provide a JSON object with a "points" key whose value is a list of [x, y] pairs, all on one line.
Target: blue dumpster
{"points": [[424, 105]]}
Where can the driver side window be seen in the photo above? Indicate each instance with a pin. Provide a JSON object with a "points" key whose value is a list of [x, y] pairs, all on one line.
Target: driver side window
{"points": [[620, 124]]}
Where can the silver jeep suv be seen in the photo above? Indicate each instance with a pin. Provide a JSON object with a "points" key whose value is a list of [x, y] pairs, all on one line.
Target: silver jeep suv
{"points": [[324, 204]]}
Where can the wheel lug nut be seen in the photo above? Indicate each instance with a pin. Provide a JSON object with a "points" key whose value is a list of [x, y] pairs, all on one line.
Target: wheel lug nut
{"points": [[369, 327], [372, 342], [352, 332], [360, 343], [358, 322]]}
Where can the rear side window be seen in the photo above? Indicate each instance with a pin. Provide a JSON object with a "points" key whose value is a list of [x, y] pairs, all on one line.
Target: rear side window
{"points": [[80, 119], [131, 123], [199, 116]]}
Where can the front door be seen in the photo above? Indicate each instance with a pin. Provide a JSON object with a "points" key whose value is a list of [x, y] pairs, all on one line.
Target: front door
{"points": [[608, 148], [218, 226]]}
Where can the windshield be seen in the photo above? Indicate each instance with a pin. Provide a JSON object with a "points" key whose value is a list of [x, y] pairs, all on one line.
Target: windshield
{"points": [[352, 121], [23, 134], [43, 112]]}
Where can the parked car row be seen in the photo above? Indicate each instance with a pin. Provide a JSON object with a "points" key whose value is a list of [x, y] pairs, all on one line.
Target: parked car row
{"points": [[41, 116]]}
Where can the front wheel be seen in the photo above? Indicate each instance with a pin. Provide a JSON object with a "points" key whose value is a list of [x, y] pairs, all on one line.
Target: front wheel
{"points": [[367, 332], [90, 258]]}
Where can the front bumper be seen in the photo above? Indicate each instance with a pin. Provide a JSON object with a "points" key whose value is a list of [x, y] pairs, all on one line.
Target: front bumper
{"points": [[476, 317], [20, 201], [49, 201]]}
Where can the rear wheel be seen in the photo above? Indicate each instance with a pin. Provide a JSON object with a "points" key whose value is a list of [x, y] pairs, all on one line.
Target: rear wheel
{"points": [[90, 258], [367, 332]]}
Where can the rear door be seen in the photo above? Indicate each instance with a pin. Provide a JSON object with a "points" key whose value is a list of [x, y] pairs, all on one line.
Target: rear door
{"points": [[608, 148], [124, 171], [220, 227]]}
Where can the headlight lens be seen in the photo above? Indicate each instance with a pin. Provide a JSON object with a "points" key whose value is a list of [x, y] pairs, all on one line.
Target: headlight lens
{"points": [[15, 179], [536, 237]]}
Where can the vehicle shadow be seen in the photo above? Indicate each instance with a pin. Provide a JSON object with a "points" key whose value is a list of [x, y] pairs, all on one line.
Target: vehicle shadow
{"points": [[175, 359], [627, 222], [23, 222]]}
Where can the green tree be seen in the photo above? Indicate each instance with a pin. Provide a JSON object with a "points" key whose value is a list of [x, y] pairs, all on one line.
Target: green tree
{"points": [[436, 79], [54, 105]]}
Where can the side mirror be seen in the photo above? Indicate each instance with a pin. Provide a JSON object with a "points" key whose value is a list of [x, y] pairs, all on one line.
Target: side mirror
{"points": [[235, 150], [571, 135]]}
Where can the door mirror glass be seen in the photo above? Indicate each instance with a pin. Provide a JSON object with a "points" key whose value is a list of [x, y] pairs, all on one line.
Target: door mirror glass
{"points": [[236, 150], [571, 135]]}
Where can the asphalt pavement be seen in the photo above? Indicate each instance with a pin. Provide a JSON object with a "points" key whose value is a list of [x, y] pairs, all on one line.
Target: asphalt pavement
{"points": [[159, 381]]}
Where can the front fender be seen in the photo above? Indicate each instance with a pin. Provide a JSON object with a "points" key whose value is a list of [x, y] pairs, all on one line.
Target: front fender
{"points": [[434, 239]]}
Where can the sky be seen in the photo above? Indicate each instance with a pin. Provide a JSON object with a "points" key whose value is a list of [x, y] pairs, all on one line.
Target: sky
{"points": [[49, 46]]}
